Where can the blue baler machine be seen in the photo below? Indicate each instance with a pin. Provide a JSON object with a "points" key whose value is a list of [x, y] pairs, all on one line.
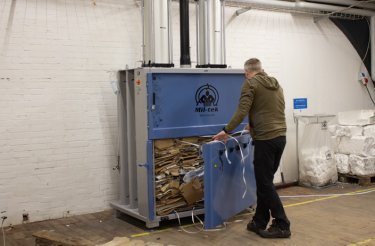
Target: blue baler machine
{"points": [[166, 103]]}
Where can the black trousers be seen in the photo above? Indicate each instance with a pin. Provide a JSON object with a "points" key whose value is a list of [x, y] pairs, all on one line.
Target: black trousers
{"points": [[267, 155]]}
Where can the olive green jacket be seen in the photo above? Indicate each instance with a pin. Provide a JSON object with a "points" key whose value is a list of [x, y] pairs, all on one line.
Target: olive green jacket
{"points": [[262, 99]]}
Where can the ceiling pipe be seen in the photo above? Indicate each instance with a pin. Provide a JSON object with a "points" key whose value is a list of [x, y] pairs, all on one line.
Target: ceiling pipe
{"points": [[306, 6], [156, 34], [184, 34], [336, 9], [363, 5], [270, 3], [210, 34]]}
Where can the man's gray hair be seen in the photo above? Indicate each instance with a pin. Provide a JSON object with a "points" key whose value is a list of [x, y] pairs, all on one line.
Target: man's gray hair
{"points": [[253, 65]]}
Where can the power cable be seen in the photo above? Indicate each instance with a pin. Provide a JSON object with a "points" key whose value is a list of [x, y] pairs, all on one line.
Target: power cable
{"points": [[363, 60], [370, 94]]}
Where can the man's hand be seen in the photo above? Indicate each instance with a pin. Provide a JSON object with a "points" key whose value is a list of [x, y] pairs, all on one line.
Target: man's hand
{"points": [[247, 127], [221, 136]]}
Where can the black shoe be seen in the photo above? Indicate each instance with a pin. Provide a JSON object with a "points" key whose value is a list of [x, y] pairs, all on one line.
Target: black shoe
{"points": [[252, 226], [274, 231]]}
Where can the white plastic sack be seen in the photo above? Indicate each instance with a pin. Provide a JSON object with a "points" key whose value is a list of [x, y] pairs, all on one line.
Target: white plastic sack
{"points": [[332, 129], [196, 173], [360, 165], [342, 163], [316, 164]]}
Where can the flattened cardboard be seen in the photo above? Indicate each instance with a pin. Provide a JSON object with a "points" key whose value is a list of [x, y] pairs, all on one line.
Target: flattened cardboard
{"points": [[192, 192]]}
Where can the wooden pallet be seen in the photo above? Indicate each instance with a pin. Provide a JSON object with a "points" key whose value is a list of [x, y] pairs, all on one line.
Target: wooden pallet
{"points": [[361, 180]]}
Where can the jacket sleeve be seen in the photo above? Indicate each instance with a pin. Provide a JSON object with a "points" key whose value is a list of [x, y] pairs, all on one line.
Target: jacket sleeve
{"points": [[246, 100]]}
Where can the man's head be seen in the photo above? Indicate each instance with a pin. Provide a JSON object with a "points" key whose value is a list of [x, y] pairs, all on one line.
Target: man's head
{"points": [[252, 67]]}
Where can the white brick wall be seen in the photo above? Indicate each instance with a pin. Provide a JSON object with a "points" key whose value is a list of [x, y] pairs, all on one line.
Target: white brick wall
{"points": [[58, 113]]}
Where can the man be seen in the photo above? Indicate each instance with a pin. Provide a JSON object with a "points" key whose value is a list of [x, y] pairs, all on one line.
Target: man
{"points": [[262, 99]]}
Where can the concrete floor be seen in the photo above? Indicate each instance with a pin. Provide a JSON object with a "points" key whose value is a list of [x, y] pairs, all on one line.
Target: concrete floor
{"points": [[332, 220]]}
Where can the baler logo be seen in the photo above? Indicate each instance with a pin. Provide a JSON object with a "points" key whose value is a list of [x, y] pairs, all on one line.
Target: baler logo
{"points": [[207, 99]]}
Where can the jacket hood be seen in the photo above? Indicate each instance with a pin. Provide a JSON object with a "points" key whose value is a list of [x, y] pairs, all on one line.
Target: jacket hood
{"points": [[267, 81]]}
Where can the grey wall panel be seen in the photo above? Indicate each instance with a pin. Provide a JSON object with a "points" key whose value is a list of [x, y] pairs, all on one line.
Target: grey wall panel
{"points": [[130, 100], [140, 96], [123, 139]]}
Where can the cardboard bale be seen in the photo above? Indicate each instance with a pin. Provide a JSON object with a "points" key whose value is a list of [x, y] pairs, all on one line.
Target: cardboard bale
{"points": [[356, 117], [369, 131], [342, 163], [349, 131], [334, 143], [173, 159], [362, 166], [357, 145]]}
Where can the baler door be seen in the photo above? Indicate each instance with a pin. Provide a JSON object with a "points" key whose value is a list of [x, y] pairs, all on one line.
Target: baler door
{"points": [[229, 181]]}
